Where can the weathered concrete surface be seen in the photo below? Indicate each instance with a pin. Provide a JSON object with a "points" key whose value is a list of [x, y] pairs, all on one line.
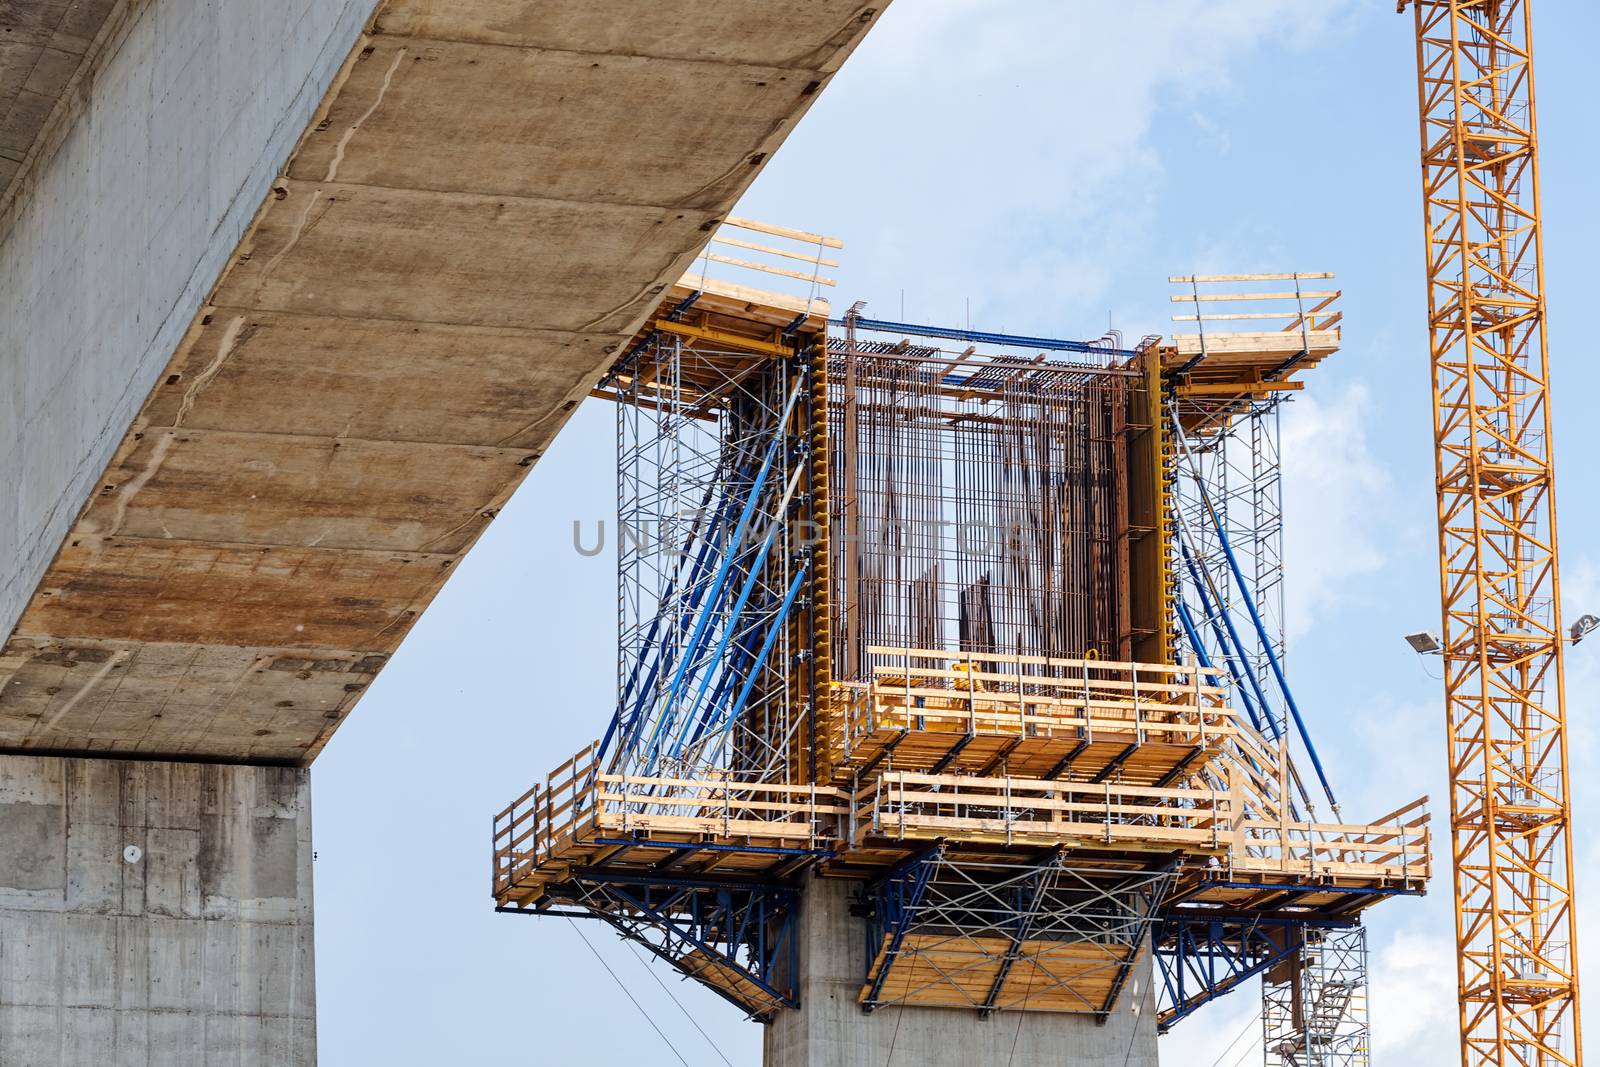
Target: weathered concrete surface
{"points": [[48, 50], [196, 949], [108, 255], [830, 1030], [492, 198]]}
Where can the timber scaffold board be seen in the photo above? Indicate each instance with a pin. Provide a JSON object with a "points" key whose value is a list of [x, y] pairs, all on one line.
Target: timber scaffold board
{"points": [[1000, 974]]}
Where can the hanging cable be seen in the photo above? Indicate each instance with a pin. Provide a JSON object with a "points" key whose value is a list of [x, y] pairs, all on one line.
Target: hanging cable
{"points": [[628, 994], [674, 998]]}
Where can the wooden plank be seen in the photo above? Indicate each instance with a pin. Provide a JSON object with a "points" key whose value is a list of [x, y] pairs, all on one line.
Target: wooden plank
{"points": [[767, 268], [783, 231], [1002, 657], [1243, 388], [773, 251], [1190, 279]]}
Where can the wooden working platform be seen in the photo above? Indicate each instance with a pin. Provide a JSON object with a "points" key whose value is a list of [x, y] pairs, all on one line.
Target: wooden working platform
{"points": [[1028, 717], [581, 819], [901, 811], [1246, 345]]}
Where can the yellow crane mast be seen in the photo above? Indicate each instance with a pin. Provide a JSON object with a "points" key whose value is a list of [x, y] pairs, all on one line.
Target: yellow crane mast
{"points": [[1502, 638]]}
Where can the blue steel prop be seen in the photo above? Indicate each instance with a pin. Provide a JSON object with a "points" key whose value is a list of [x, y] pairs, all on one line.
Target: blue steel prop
{"points": [[731, 624], [760, 662], [1220, 527], [1043, 344], [1227, 642], [1201, 959], [896, 898], [627, 716], [710, 607]]}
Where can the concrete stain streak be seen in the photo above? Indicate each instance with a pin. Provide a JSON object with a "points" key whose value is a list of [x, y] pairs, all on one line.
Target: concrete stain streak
{"points": [[230, 338], [300, 229], [130, 488], [94, 679], [344, 141]]}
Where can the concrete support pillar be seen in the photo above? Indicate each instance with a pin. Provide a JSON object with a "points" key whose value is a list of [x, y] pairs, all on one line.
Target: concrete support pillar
{"points": [[155, 913], [829, 1029]]}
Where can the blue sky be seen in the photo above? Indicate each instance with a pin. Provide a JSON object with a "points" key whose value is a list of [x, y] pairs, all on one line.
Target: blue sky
{"points": [[1047, 164]]}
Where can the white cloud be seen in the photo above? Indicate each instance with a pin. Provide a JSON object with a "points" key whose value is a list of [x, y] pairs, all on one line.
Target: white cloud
{"points": [[1413, 1000], [1334, 489], [963, 160]]}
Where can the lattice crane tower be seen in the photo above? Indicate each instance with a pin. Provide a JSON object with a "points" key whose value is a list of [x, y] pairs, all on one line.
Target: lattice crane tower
{"points": [[1510, 813]]}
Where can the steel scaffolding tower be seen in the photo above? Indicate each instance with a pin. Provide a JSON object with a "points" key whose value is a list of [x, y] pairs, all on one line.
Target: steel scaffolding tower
{"points": [[709, 564], [1229, 461], [1510, 814], [1314, 1003]]}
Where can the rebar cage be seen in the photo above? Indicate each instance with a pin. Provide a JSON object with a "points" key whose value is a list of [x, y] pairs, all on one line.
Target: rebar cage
{"points": [[977, 503]]}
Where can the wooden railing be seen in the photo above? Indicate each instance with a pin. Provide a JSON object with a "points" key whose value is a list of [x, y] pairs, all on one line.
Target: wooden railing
{"points": [[901, 804], [1397, 846], [1034, 696], [527, 831], [766, 256], [578, 802]]}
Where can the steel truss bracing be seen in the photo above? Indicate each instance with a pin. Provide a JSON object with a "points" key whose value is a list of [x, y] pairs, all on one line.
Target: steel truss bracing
{"points": [[1314, 1002], [1010, 933], [738, 938], [1200, 958], [1502, 636]]}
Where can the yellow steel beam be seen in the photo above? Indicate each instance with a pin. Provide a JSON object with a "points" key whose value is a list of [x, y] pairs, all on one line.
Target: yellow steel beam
{"points": [[722, 337], [1511, 819], [1237, 388]]}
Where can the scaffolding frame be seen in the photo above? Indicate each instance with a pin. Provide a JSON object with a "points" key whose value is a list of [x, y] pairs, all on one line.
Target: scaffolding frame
{"points": [[1314, 1002], [713, 556]]}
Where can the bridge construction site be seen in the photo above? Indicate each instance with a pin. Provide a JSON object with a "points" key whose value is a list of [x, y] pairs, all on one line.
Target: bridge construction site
{"points": [[971, 637], [951, 670]]}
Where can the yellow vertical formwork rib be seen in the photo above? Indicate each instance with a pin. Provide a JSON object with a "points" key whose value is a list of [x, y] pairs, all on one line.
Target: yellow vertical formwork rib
{"points": [[1502, 636], [1152, 590]]}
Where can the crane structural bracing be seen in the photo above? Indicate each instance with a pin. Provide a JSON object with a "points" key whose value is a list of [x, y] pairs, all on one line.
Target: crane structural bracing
{"points": [[1510, 813]]}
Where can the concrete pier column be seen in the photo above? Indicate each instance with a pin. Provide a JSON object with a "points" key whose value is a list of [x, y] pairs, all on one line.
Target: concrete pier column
{"points": [[155, 913], [830, 1030]]}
